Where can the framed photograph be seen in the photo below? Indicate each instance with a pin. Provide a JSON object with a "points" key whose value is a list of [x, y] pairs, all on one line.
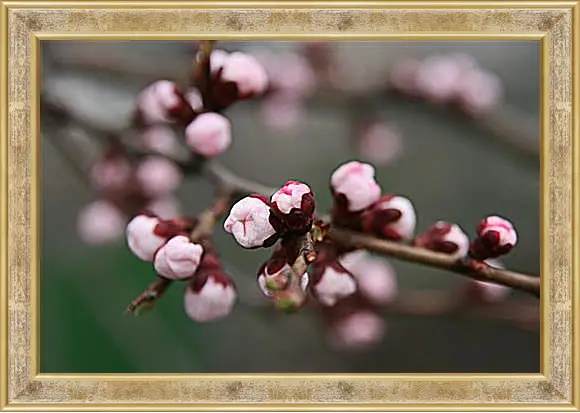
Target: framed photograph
{"points": [[368, 206]]}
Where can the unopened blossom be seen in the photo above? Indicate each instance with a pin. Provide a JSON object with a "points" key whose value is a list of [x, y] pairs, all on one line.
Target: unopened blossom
{"points": [[178, 258], [100, 222], [210, 134], [380, 143], [218, 58], [162, 102], [160, 138], [356, 181], [112, 173], [392, 217], [496, 236], [479, 92], [445, 237], [275, 274], [210, 299], [290, 74], [249, 223], [281, 113], [246, 72], [376, 278], [357, 331], [158, 176], [331, 283], [438, 78], [294, 205], [142, 238]]}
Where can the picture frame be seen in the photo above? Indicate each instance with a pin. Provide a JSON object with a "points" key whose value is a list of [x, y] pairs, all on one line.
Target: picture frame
{"points": [[555, 25]]}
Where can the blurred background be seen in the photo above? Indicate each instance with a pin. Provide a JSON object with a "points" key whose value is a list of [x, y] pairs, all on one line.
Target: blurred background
{"points": [[456, 162]]}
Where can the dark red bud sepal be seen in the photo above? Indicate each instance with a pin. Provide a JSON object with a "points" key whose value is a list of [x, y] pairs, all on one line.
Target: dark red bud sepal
{"points": [[444, 237], [174, 227], [496, 236], [391, 217], [342, 216], [294, 205]]}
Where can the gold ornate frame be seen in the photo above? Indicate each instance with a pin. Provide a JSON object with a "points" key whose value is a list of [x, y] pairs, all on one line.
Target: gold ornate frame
{"points": [[556, 25]]}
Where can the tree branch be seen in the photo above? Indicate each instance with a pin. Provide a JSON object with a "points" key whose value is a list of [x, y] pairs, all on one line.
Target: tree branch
{"points": [[466, 267]]}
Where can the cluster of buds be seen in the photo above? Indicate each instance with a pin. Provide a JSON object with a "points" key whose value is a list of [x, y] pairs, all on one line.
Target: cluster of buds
{"points": [[210, 294], [359, 205], [495, 237], [448, 79], [208, 133], [124, 188]]}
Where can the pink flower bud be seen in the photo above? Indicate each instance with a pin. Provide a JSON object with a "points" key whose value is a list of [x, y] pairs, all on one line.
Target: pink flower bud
{"points": [[358, 331], [392, 217], [438, 78], [380, 143], [100, 222], [249, 223], [356, 181], [280, 112], [496, 236], [165, 208], [111, 174], [210, 134], [445, 237], [162, 102], [331, 283], [246, 72], [178, 258], [290, 74], [376, 278], [141, 237], [217, 59], [479, 92], [294, 205], [160, 138], [158, 176], [210, 299]]}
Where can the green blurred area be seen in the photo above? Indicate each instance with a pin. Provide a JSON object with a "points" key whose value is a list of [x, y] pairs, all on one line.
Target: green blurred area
{"points": [[450, 168]]}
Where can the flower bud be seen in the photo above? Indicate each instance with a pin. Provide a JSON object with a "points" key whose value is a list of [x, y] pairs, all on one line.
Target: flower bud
{"points": [[210, 134], [380, 143], [162, 102], [496, 236], [438, 78], [141, 237], [356, 181], [246, 72], [275, 274], [376, 278], [194, 98], [294, 205], [249, 223], [111, 173], [161, 139], [358, 331], [178, 258], [479, 92], [445, 237], [100, 222], [331, 283], [158, 176], [210, 297], [392, 217]]}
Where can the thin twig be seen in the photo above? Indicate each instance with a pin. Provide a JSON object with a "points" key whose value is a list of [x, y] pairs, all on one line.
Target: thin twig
{"points": [[467, 267]]}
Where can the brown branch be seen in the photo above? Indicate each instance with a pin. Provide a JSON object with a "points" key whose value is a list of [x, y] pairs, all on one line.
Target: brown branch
{"points": [[466, 267], [202, 72]]}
